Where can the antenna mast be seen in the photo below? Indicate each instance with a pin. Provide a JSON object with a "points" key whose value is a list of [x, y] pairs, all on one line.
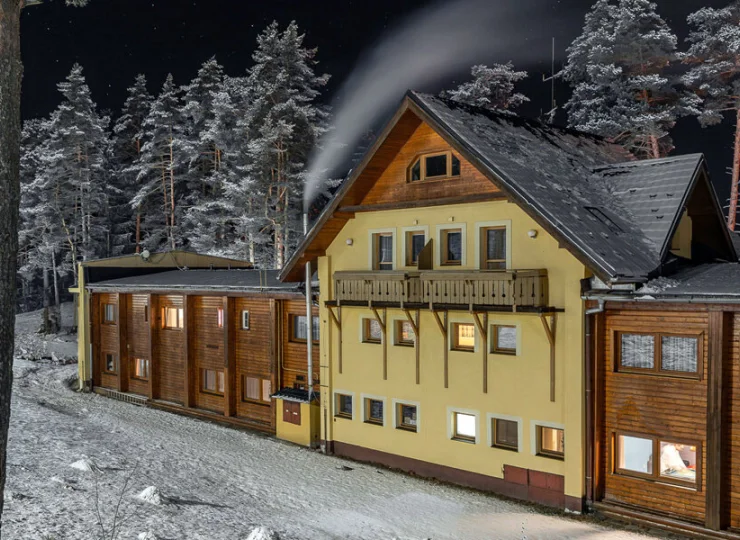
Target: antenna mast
{"points": [[553, 103]]}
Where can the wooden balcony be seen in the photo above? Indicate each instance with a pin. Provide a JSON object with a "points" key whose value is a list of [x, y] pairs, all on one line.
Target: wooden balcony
{"points": [[505, 290]]}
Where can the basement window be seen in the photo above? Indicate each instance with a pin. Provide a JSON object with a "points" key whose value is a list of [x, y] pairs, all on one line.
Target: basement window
{"points": [[256, 389], [434, 166], [464, 427], [212, 382], [550, 442], [505, 434], [110, 364], [343, 406], [374, 411], [406, 417], [141, 369]]}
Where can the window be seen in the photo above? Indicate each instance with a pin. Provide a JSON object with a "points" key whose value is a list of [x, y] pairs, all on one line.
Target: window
{"points": [[464, 427], [344, 406], [109, 314], [493, 248], [404, 333], [300, 330], [415, 242], [437, 165], [503, 339], [173, 318], [663, 354], [550, 442], [110, 363], [406, 417], [374, 411], [505, 434], [212, 381], [292, 412], [452, 247], [382, 251], [245, 320], [463, 337], [635, 456], [371, 331], [141, 368], [220, 316], [256, 389]]}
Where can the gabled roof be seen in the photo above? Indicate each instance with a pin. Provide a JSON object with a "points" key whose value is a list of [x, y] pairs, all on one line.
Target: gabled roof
{"points": [[615, 215]]}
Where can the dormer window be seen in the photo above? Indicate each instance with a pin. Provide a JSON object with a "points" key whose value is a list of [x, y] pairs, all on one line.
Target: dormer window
{"points": [[432, 166]]}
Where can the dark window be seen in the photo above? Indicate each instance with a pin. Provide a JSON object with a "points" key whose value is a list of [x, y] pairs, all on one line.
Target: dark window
{"points": [[292, 412], [504, 339], [493, 248], [212, 381], [436, 166], [414, 245], [505, 434], [550, 442], [383, 251], [404, 333], [141, 368], [452, 247], [406, 417], [455, 169], [111, 363], [371, 331], [109, 314], [415, 173], [373, 411], [344, 406]]}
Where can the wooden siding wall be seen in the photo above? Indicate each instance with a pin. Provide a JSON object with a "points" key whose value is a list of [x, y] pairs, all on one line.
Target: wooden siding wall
{"points": [[392, 186], [255, 355], [137, 323], [671, 408], [294, 353], [206, 347], [168, 351], [731, 425], [108, 342]]}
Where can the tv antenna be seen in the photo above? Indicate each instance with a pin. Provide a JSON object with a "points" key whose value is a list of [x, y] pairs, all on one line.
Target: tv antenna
{"points": [[550, 115]]}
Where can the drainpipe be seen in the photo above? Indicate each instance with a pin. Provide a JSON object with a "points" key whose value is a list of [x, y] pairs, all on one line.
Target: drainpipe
{"points": [[309, 318], [589, 374], [598, 309]]}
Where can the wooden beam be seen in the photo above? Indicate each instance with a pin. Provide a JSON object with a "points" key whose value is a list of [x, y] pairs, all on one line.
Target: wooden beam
{"points": [[382, 323], [550, 332], [483, 329], [151, 302], [123, 345], [229, 362], [719, 332], [188, 378], [443, 327], [417, 346], [337, 318], [481, 197]]}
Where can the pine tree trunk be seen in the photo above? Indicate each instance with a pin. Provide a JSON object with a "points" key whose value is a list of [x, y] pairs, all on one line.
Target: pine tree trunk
{"points": [[654, 147], [172, 194], [56, 312], [46, 314], [732, 214], [138, 230], [11, 71]]}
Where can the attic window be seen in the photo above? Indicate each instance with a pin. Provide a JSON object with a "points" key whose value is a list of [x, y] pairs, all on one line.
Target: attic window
{"points": [[432, 166], [599, 214]]}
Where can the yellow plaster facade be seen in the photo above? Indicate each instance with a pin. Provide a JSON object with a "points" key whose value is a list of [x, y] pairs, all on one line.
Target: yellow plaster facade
{"points": [[518, 385], [306, 434]]}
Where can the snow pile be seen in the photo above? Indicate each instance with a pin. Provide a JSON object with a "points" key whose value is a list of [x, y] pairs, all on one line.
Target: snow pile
{"points": [[658, 285], [85, 465], [147, 536], [151, 495], [263, 533]]}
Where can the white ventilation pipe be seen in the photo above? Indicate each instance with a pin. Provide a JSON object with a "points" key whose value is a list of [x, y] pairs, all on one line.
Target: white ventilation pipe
{"points": [[309, 318]]}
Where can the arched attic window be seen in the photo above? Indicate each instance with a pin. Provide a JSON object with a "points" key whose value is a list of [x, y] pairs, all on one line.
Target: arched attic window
{"points": [[434, 166]]}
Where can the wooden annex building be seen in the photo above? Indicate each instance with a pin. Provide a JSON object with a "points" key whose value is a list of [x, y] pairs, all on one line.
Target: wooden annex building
{"points": [[216, 341]]}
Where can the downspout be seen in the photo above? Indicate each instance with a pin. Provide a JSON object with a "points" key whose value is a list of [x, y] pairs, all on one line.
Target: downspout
{"points": [[309, 318], [589, 358]]}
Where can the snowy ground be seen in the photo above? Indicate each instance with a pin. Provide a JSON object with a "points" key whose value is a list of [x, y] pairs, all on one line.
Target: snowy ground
{"points": [[209, 482]]}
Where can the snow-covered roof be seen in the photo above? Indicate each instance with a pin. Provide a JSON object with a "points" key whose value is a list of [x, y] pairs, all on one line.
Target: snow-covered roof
{"points": [[707, 281], [220, 280]]}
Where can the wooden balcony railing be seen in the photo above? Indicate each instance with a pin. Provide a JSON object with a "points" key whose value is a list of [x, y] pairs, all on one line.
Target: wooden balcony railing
{"points": [[471, 288]]}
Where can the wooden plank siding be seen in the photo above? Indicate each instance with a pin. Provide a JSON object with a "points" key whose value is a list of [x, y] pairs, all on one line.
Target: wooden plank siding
{"points": [[293, 369], [108, 340], [731, 425], [169, 361], [671, 408], [206, 347], [137, 322]]}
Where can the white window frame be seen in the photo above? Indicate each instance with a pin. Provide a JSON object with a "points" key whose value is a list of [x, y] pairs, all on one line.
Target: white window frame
{"points": [[438, 248], [486, 224], [363, 409], [404, 234], [533, 425], [396, 424], [502, 322], [451, 411], [334, 404], [371, 253], [520, 430]]}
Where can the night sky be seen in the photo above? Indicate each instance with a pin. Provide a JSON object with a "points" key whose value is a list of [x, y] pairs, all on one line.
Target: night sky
{"points": [[116, 39]]}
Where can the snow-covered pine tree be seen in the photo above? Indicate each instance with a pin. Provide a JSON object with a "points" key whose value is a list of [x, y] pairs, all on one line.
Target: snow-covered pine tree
{"points": [[491, 88], [160, 170], [714, 57], [125, 149], [284, 124], [618, 68], [73, 173]]}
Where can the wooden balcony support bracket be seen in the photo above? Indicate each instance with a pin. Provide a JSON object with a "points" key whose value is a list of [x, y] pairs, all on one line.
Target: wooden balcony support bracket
{"points": [[383, 330], [483, 329], [337, 319], [443, 326], [414, 322], [550, 329]]}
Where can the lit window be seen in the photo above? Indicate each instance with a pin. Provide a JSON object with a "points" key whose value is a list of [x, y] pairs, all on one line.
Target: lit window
{"points": [[109, 314], [245, 320], [212, 381], [141, 368], [505, 434], [437, 165], [678, 461], [493, 248], [111, 363], [220, 317], [173, 318], [344, 406], [256, 389], [464, 427], [550, 442], [504, 339], [415, 242], [635, 454], [659, 353], [404, 333], [452, 247], [463, 337], [371, 331], [300, 330], [374, 411], [406, 417], [382, 251]]}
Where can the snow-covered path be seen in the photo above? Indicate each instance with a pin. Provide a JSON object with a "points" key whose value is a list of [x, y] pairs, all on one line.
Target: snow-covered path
{"points": [[220, 483]]}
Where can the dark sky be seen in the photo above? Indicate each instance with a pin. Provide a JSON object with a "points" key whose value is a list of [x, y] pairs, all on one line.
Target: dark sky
{"points": [[116, 39]]}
